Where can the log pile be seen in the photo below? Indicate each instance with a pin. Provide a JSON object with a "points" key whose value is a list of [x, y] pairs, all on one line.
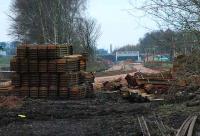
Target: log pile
{"points": [[50, 71], [151, 83], [143, 87], [135, 95]]}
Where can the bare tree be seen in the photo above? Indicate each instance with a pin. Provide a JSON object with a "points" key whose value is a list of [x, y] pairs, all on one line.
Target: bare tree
{"points": [[55, 21], [176, 14], [88, 34], [46, 21]]}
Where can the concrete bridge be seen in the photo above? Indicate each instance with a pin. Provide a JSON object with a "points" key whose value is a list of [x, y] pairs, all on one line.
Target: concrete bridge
{"points": [[133, 55]]}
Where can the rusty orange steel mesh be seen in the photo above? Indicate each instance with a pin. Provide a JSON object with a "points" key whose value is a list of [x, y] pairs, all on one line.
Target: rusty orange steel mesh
{"points": [[50, 71]]}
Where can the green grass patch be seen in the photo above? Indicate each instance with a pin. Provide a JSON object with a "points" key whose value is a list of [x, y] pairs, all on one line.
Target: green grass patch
{"points": [[5, 61], [158, 65], [97, 66]]}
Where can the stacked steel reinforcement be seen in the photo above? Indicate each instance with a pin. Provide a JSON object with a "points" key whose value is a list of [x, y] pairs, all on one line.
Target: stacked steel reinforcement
{"points": [[50, 71]]}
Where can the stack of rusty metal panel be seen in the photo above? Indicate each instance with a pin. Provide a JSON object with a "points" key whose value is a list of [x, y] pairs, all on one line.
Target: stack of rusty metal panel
{"points": [[24, 79], [62, 50], [64, 92], [73, 63], [43, 92], [52, 52], [51, 66], [33, 66], [82, 63], [32, 52], [14, 65], [16, 80], [42, 66], [23, 65], [44, 79], [22, 51], [73, 79], [87, 77], [78, 92], [50, 71], [61, 65], [42, 52]]}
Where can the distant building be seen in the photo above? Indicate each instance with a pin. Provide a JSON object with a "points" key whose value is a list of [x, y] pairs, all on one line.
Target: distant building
{"points": [[128, 55]]}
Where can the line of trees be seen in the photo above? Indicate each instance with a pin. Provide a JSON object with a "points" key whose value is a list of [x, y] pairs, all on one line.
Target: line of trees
{"points": [[165, 42], [56, 22], [179, 23]]}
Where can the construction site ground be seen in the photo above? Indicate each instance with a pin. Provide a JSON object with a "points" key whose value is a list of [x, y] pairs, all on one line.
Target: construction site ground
{"points": [[106, 114], [127, 67]]}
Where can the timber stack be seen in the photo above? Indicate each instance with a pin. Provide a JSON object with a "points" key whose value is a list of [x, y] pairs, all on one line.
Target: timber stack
{"points": [[50, 71]]}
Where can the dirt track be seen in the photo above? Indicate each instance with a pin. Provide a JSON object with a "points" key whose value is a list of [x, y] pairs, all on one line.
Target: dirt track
{"points": [[138, 67]]}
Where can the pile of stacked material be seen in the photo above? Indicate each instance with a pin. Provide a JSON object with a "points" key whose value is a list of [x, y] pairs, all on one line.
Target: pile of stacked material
{"points": [[50, 71], [158, 83]]}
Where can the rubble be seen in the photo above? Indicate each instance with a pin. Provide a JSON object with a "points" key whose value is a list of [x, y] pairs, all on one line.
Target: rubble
{"points": [[131, 81], [134, 95], [141, 87], [113, 85], [5, 87], [10, 102]]}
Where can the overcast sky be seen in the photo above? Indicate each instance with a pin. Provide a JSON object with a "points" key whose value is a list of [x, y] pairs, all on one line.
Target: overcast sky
{"points": [[118, 27], [4, 20]]}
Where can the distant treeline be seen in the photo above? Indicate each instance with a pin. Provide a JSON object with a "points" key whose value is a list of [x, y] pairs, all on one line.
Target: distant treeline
{"points": [[164, 42]]}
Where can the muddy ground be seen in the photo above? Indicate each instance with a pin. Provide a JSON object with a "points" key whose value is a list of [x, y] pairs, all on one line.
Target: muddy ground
{"points": [[104, 115]]}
